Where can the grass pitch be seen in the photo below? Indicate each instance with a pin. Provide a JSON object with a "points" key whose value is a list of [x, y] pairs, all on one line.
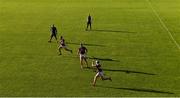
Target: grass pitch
{"points": [[134, 47]]}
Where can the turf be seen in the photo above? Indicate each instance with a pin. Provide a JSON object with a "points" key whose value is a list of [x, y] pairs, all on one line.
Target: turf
{"points": [[128, 38]]}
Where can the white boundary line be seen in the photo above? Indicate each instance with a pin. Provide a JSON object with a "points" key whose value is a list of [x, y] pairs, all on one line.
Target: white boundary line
{"points": [[163, 24]]}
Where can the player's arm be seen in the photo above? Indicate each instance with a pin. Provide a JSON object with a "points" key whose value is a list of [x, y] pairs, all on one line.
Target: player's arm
{"points": [[93, 65], [86, 50], [78, 52]]}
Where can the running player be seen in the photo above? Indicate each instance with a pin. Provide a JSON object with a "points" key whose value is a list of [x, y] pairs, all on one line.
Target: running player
{"points": [[63, 46], [82, 51], [99, 72], [53, 33], [89, 21]]}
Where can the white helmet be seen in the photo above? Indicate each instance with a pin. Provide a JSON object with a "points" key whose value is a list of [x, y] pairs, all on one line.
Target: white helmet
{"points": [[97, 62]]}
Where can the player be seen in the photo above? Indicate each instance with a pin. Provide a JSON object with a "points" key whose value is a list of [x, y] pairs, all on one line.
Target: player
{"points": [[63, 46], [89, 21], [82, 51], [99, 72], [53, 33]]}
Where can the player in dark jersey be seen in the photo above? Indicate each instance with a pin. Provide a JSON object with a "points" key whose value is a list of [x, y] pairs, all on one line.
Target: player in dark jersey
{"points": [[63, 46], [53, 33], [89, 21], [82, 52], [99, 73]]}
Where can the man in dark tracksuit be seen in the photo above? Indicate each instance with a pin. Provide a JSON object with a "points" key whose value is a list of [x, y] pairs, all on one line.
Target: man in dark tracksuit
{"points": [[89, 21], [53, 33]]}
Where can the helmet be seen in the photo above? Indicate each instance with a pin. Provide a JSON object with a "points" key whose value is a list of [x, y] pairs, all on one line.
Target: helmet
{"points": [[97, 62]]}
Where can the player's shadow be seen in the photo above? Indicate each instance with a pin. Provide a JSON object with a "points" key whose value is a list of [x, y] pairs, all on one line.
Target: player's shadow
{"points": [[103, 59], [128, 71], [116, 31], [137, 89], [86, 44]]}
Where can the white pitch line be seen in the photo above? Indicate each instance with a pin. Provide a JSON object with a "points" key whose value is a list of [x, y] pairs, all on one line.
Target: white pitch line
{"points": [[163, 24]]}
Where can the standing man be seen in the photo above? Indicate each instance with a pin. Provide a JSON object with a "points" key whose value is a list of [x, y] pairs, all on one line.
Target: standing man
{"points": [[82, 51], [63, 46], [99, 72], [89, 21], [53, 33]]}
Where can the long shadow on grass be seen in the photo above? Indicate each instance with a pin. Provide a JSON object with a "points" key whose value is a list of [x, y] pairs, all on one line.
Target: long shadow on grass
{"points": [[128, 71], [87, 44], [103, 59], [137, 89], [116, 31]]}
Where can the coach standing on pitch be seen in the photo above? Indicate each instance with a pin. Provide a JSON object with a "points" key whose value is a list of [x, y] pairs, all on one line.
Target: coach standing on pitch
{"points": [[89, 21], [53, 33]]}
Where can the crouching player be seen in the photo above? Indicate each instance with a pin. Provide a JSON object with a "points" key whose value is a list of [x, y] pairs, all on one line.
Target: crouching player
{"points": [[63, 46], [99, 72], [82, 51]]}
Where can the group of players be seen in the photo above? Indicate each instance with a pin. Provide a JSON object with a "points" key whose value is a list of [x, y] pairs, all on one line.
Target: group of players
{"points": [[82, 52]]}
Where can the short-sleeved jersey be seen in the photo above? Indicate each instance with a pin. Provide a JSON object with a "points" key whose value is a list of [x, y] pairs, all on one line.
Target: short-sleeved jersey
{"points": [[98, 66], [62, 42], [53, 30], [82, 50]]}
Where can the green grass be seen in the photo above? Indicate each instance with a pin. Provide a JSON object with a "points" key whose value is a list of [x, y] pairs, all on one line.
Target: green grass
{"points": [[30, 66]]}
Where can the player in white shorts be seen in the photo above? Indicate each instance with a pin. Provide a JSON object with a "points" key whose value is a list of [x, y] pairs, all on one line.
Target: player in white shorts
{"points": [[82, 51], [63, 46], [99, 72]]}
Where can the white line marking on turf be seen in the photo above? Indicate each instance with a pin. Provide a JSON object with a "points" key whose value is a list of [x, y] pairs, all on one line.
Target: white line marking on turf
{"points": [[163, 24]]}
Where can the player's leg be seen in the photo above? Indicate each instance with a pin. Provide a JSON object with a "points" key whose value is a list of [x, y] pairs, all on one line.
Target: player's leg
{"points": [[68, 49], [59, 48], [55, 35], [90, 25], [50, 38], [95, 79], [106, 78], [103, 77], [85, 59], [81, 61]]}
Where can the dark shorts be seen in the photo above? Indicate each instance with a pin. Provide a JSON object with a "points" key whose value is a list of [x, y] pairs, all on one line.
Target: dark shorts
{"points": [[88, 22], [53, 34]]}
